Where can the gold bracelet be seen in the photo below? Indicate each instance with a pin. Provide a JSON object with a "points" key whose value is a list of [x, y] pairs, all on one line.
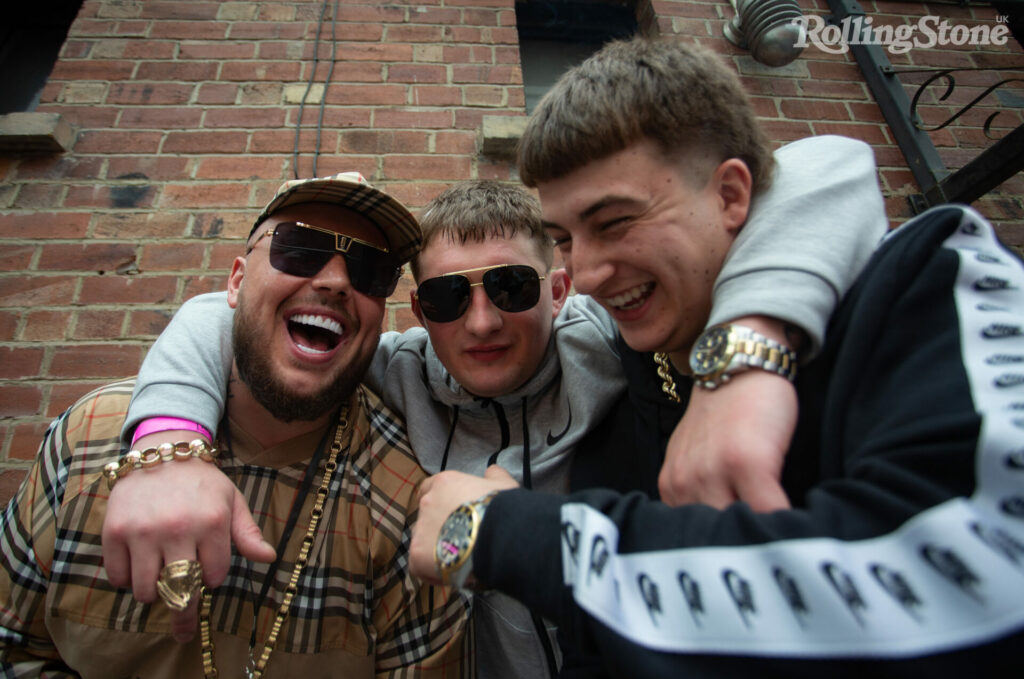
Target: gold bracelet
{"points": [[153, 457]]}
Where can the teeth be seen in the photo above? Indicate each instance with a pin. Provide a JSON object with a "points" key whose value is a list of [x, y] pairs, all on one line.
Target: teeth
{"points": [[309, 350], [318, 322], [631, 298]]}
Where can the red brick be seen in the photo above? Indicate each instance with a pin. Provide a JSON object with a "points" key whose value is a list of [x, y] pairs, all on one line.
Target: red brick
{"points": [[206, 142], [162, 118], [378, 95], [154, 9], [498, 75], [252, 94], [222, 256], [385, 53], [335, 117], [60, 168], [95, 360], [217, 93], [240, 167], [216, 51], [263, 30], [98, 324], [128, 225], [172, 256], [149, 93], [19, 400], [436, 95], [245, 117], [427, 167], [125, 195], [16, 257], [10, 479], [204, 195], [454, 142], [148, 167], [148, 324], [8, 323], [128, 290], [20, 362], [101, 257], [45, 326], [372, 12], [38, 195], [149, 49], [413, 33], [197, 285], [183, 71], [117, 141], [223, 224], [484, 95], [399, 118], [25, 441], [809, 109], [287, 71], [384, 141], [189, 30], [93, 69], [35, 290]]}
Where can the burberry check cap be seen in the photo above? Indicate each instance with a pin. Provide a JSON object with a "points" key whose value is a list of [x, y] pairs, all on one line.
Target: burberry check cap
{"points": [[351, 190]]}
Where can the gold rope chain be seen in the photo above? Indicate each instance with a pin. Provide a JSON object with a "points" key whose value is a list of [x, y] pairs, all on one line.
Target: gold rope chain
{"points": [[668, 385], [255, 669]]}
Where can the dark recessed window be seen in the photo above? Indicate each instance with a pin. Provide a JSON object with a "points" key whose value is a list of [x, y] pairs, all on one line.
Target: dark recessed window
{"points": [[31, 36], [555, 35]]}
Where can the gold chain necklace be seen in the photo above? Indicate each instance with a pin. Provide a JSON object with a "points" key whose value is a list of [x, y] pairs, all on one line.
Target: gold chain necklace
{"points": [[256, 667], [668, 385]]}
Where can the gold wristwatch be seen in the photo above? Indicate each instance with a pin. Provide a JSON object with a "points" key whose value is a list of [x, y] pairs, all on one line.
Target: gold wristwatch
{"points": [[724, 350], [455, 542]]}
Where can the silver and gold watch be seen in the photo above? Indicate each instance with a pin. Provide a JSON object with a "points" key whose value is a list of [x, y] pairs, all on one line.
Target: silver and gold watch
{"points": [[724, 350], [455, 542]]}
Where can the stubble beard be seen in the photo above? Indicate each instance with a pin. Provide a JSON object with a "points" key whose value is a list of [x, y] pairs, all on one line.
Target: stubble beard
{"points": [[270, 391]]}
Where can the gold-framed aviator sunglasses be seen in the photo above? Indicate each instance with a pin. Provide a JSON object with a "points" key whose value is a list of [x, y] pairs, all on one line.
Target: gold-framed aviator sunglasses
{"points": [[301, 249], [511, 287]]}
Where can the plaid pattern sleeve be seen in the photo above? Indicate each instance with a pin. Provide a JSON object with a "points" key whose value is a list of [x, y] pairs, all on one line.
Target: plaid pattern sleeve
{"points": [[32, 545]]}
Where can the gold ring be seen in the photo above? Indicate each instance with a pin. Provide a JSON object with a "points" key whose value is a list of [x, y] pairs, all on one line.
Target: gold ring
{"points": [[178, 583]]}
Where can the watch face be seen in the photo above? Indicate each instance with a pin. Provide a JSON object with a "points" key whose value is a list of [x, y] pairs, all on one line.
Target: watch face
{"points": [[456, 538], [709, 353]]}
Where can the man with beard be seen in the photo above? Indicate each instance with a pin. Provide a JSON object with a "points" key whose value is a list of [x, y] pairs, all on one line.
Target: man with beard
{"points": [[322, 463]]}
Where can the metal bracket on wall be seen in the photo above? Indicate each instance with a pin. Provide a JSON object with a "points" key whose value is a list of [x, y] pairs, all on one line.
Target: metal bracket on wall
{"points": [[938, 185]]}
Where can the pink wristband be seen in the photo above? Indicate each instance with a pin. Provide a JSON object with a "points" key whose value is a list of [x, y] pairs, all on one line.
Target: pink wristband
{"points": [[158, 424]]}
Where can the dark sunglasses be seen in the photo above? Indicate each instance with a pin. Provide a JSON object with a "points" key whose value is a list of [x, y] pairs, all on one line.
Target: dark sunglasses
{"points": [[300, 249], [512, 287]]}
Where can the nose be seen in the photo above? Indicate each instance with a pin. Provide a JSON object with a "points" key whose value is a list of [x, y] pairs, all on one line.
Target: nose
{"points": [[589, 265], [333, 277], [482, 318]]}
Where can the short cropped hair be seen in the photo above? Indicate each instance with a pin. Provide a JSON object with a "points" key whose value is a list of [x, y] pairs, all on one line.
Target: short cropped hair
{"points": [[682, 97], [480, 209]]}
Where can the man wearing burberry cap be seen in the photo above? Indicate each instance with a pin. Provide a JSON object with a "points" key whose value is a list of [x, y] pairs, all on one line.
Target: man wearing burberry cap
{"points": [[316, 457]]}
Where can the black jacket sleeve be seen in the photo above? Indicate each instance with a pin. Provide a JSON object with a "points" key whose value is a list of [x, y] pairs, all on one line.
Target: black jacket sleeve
{"points": [[904, 551]]}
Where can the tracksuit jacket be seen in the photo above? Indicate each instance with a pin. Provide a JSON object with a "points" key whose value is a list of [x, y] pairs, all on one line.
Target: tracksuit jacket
{"points": [[903, 554]]}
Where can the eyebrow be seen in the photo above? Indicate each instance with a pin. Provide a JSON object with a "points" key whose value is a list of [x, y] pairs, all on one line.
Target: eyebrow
{"points": [[596, 207]]}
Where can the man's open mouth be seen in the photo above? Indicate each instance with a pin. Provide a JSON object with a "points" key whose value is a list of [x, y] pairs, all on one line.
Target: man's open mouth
{"points": [[631, 299], [315, 334]]}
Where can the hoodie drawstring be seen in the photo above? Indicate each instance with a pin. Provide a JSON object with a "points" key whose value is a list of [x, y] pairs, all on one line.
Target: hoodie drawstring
{"points": [[451, 435]]}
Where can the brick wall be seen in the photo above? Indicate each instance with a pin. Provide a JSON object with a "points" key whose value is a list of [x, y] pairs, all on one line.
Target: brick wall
{"points": [[185, 113]]}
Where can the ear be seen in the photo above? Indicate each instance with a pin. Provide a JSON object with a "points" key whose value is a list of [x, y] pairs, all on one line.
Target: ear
{"points": [[235, 281], [560, 286], [733, 183], [415, 302]]}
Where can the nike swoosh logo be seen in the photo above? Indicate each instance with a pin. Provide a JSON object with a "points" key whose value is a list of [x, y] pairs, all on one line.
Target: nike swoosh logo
{"points": [[555, 438]]}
